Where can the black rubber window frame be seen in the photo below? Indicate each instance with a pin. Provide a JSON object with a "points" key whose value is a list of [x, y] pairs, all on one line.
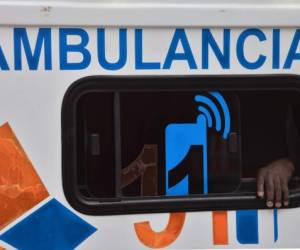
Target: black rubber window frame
{"points": [[228, 201]]}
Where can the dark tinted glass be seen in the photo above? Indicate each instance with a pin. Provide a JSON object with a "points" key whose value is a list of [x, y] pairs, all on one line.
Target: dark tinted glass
{"points": [[145, 146], [95, 147]]}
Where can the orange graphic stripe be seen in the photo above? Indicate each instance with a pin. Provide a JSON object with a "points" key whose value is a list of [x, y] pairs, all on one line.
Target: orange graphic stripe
{"points": [[164, 238], [2, 248], [20, 186], [220, 227]]}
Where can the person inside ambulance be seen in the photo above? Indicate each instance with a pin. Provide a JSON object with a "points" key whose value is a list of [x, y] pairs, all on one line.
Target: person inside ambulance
{"points": [[271, 142]]}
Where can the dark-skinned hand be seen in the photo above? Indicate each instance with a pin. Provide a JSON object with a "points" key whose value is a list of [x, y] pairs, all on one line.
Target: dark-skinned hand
{"points": [[272, 182]]}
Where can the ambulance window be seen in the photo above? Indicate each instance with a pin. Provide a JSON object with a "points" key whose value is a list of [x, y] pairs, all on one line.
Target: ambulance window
{"points": [[95, 145], [146, 132], [170, 144]]}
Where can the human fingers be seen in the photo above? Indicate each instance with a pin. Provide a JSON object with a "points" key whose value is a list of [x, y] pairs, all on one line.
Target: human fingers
{"points": [[278, 191], [269, 190], [260, 183], [285, 192]]}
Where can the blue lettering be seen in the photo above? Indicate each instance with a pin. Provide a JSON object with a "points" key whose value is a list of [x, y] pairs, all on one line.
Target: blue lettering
{"points": [[208, 40], [43, 37], [276, 49], [180, 36], [139, 63], [3, 62], [122, 50], [241, 46], [292, 54], [65, 48]]}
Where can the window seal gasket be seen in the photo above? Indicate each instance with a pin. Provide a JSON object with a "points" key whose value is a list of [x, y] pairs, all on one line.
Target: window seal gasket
{"points": [[227, 201]]}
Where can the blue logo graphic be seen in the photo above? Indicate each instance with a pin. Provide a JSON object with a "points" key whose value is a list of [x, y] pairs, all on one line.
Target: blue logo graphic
{"points": [[182, 138], [52, 226]]}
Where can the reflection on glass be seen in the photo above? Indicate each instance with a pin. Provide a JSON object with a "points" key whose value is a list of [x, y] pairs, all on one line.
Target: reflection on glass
{"points": [[264, 126]]}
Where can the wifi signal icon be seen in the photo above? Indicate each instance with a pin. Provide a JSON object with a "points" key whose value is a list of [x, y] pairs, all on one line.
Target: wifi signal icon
{"points": [[181, 138]]}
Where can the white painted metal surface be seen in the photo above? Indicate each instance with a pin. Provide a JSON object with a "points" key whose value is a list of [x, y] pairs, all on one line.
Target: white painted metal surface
{"points": [[31, 100], [233, 13]]}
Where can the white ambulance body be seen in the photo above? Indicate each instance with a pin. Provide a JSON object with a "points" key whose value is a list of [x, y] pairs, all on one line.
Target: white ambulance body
{"points": [[69, 64]]}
